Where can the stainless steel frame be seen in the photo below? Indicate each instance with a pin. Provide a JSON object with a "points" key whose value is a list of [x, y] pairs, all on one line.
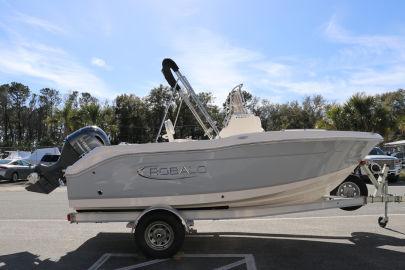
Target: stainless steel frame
{"points": [[188, 95]]}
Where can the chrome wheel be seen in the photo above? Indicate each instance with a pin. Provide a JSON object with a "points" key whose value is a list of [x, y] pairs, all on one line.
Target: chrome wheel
{"points": [[348, 189], [159, 235], [14, 177]]}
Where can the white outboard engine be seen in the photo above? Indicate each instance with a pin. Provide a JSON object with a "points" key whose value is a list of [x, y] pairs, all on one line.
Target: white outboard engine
{"points": [[75, 146]]}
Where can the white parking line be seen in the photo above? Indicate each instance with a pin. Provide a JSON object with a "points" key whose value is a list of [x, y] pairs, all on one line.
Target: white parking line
{"points": [[139, 265], [231, 265], [248, 260], [213, 255], [100, 261]]}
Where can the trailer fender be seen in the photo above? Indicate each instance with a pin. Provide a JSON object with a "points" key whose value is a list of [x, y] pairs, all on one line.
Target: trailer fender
{"points": [[164, 208]]}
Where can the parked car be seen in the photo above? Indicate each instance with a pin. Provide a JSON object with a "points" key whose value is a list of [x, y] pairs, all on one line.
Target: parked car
{"points": [[15, 169], [49, 159], [17, 154], [401, 157], [377, 156], [38, 154]]}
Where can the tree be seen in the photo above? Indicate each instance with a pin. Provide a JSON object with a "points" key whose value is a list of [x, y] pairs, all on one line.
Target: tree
{"points": [[49, 100], [292, 115], [89, 110], [313, 110], [18, 94], [156, 102], [33, 120], [360, 113], [30, 120], [109, 123], [4, 106], [131, 117], [68, 112], [394, 103]]}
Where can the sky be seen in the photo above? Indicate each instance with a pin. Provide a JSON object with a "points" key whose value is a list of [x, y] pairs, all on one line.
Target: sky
{"points": [[280, 50]]}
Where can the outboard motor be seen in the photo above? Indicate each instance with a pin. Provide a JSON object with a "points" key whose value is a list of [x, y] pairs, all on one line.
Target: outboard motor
{"points": [[75, 146]]}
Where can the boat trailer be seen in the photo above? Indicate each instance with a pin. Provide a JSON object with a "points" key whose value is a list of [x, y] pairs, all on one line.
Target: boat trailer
{"points": [[185, 218]]}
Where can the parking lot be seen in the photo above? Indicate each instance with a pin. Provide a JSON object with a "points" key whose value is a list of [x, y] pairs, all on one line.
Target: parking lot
{"points": [[34, 234]]}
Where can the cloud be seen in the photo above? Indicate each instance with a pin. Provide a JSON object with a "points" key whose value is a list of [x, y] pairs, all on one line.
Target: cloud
{"points": [[21, 56], [98, 62], [274, 70], [364, 51], [53, 65], [370, 63], [38, 23], [337, 33], [380, 79], [211, 62], [214, 64]]}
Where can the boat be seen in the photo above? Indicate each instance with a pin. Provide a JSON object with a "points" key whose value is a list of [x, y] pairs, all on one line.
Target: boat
{"points": [[241, 171], [269, 168], [241, 165]]}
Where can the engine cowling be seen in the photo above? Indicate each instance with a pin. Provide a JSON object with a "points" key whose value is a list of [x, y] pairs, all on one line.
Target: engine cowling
{"points": [[75, 146]]}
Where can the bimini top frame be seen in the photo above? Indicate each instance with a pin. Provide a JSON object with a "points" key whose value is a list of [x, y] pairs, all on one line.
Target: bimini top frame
{"points": [[188, 95]]}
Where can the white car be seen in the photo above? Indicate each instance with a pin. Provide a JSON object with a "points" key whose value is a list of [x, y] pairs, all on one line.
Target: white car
{"points": [[36, 156], [400, 156], [377, 156]]}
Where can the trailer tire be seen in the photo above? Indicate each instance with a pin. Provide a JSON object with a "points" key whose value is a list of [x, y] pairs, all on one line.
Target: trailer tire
{"points": [[352, 187], [159, 234]]}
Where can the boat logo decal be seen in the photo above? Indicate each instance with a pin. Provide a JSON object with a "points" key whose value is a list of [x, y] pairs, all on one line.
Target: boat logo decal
{"points": [[172, 172]]}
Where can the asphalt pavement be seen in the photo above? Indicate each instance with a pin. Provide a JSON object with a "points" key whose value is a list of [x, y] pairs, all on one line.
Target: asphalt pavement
{"points": [[34, 234]]}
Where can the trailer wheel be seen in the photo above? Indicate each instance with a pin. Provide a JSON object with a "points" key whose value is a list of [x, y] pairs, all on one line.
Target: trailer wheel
{"points": [[159, 234], [352, 187]]}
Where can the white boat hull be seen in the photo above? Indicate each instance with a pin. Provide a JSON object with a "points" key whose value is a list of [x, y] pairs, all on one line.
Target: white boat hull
{"points": [[295, 193], [269, 168]]}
